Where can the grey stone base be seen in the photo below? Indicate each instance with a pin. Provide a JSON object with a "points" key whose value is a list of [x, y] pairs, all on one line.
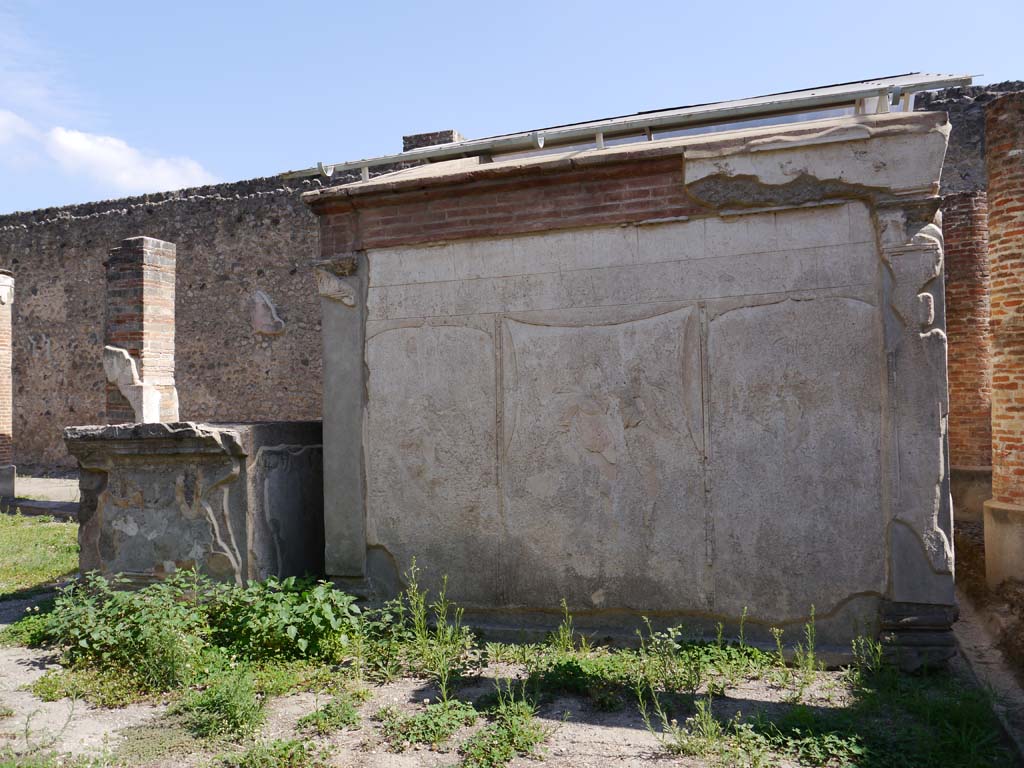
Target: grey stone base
{"points": [[234, 501], [8, 479], [918, 635], [970, 488]]}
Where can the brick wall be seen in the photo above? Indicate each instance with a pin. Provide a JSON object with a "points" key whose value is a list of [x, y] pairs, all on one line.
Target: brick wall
{"points": [[1004, 129], [965, 229], [633, 191]]}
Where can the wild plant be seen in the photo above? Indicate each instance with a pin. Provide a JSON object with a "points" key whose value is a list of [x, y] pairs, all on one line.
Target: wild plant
{"points": [[665, 663], [513, 731], [279, 753], [154, 632], [227, 706], [379, 641], [434, 725], [340, 712], [700, 735], [563, 639], [282, 618], [449, 644]]}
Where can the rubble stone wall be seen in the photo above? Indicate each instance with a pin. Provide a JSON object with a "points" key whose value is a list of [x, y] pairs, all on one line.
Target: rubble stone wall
{"points": [[234, 243]]}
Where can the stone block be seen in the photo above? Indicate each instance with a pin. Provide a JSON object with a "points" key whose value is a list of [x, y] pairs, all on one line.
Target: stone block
{"points": [[234, 501]]}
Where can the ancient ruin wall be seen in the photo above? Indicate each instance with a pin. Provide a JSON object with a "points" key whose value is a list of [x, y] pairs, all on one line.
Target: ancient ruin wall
{"points": [[233, 241], [748, 406], [965, 230], [964, 167]]}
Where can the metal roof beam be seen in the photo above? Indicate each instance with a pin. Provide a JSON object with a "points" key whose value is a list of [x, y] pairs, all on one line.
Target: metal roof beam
{"points": [[887, 91]]}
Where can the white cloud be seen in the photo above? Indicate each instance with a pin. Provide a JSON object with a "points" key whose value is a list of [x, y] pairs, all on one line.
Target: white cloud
{"points": [[120, 166], [14, 127], [34, 96]]}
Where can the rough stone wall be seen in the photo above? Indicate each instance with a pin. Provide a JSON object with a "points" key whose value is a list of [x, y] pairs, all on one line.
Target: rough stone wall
{"points": [[965, 226], [964, 166], [232, 241]]}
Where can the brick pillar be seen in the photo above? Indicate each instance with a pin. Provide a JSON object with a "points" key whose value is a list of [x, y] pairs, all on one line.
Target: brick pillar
{"points": [[965, 232], [8, 474], [139, 354], [1004, 513]]}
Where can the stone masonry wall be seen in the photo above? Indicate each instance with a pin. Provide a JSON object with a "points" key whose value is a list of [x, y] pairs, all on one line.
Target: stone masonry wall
{"points": [[232, 241], [964, 167]]}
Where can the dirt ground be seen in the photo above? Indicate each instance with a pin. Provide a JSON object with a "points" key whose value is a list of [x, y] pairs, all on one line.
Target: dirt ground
{"points": [[579, 737]]}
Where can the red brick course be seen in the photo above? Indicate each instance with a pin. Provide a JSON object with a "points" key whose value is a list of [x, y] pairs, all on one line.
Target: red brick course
{"points": [[563, 198], [1004, 131], [965, 231]]}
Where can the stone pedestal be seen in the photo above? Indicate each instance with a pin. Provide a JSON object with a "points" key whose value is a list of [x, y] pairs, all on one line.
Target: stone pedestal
{"points": [[234, 501]]}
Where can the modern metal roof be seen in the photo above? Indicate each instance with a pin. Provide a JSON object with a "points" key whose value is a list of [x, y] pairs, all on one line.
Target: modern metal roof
{"points": [[878, 95]]}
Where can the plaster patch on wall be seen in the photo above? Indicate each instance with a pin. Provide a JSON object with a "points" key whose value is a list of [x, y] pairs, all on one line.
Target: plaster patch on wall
{"points": [[263, 314]]}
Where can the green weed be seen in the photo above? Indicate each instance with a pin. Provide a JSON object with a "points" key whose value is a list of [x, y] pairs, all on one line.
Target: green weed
{"points": [[285, 618], [340, 712], [228, 706], [279, 754], [434, 725], [106, 688], [514, 730]]}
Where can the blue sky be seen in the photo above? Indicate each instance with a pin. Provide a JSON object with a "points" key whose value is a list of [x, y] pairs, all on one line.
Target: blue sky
{"points": [[105, 99]]}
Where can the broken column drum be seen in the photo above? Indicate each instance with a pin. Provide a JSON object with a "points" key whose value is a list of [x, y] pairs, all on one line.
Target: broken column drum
{"points": [[682, 378]]}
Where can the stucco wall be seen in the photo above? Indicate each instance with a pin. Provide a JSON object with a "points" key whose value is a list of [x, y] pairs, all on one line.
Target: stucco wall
{"points": [[606, 379], [682, 378]]}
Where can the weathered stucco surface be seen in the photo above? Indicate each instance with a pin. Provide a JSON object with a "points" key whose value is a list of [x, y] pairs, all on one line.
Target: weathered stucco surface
{"points": [[678, 405], [740, 409], [235, 501]]}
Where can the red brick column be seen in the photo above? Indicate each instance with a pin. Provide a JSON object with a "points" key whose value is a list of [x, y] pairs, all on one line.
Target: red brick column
{"points": [[139, 354], [7, 470], [965, 231], [1004, 514]]}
